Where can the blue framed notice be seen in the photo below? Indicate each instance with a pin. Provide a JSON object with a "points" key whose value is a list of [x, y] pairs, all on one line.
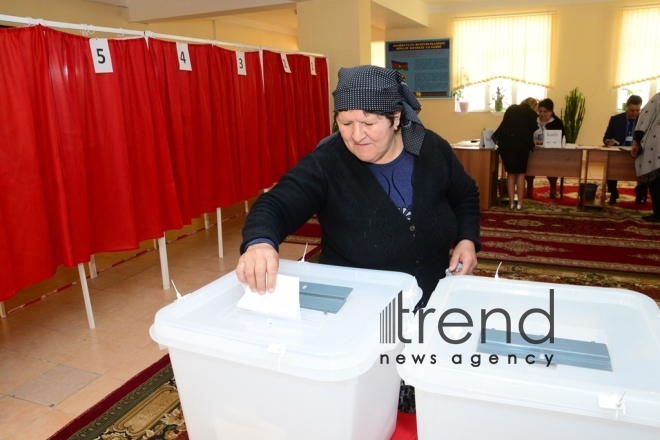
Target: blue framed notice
{"points": [[424, 63]]}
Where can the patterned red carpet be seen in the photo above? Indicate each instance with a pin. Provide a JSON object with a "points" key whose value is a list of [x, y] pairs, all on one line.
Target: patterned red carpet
{"points": [[559, 244], [146, 407], [622, 244], [626, 199], [603, 243]]}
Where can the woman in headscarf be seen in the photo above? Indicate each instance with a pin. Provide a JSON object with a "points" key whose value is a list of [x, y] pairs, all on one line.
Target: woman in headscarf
{"points": [[389, 194], [646, 151]]}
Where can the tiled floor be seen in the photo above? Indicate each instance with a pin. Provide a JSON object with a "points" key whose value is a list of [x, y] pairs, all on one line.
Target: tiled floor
{"points": [[53, 367]]}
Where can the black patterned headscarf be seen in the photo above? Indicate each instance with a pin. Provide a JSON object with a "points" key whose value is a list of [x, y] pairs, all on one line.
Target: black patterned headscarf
{"points": [[374, 89]]}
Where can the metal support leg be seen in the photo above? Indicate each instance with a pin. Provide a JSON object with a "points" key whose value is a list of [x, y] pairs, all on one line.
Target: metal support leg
{"points": [[221, 252], [85, 289], [162, 249], [92, 267]]}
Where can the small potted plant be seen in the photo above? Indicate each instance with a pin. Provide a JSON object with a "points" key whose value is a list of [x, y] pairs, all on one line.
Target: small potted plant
{"points": [[498, 99], [463, 105], [629, 92]]}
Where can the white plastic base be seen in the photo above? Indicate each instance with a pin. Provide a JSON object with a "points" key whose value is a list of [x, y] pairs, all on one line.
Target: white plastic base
{"points": [[227, 400], [441, 416]]}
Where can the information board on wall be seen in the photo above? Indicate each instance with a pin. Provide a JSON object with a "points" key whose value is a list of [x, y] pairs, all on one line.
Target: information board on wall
{"points": [[424, 64]]}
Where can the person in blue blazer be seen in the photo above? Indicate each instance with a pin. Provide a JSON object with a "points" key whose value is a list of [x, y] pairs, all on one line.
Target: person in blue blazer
{"points": [[620, 132]]}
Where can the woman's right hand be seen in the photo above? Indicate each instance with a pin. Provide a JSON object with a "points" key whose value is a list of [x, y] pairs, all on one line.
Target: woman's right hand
{"points": [[634, 150], [258, 266]]}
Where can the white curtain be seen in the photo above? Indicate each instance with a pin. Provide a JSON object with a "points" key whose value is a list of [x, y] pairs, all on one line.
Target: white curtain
{"points": [[516, 47], [639, 46]]}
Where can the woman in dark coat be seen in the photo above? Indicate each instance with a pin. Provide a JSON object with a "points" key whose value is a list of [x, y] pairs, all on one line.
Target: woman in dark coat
{"points": [[515, 139]]}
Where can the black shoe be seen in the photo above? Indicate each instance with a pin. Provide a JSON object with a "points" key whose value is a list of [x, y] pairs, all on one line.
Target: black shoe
{"points": [[651, 218]]}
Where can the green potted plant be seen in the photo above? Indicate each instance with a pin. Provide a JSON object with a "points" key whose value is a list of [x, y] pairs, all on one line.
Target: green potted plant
{"points": [[573, 114], [463, 105], [498, 99], [629, 93]]}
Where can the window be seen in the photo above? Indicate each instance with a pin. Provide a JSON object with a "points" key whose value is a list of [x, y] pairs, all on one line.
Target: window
{"points": [[642, 89], [638, 57], [510, 52], [638, 60], [481, 96]]}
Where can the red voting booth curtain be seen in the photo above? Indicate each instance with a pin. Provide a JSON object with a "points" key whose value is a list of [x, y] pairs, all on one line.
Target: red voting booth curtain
{"points": [[32, 220], [173, 86], [127, 179], [91, 121], [199, 132], [297, 107], [97, 162], [85, 164], [281, 114], [220, 144], [216, 125], [153, 189], [311, 94], [240, 103]]}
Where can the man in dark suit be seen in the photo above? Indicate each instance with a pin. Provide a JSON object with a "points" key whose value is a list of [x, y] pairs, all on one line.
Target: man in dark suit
{"points": [[620, 131]]}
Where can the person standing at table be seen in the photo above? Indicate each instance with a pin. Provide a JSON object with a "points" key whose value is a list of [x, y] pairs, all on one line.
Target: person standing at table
{"points": [[646, 151], [547, 120], [515, 139], [620, 131]]}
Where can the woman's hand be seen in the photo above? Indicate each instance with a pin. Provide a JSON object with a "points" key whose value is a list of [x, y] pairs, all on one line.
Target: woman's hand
{"points": [[634, 151], [258, 267], [465, 254]]}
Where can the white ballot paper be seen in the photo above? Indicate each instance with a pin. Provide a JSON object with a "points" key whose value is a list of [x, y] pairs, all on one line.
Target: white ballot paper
{"points": [[284, 302]]}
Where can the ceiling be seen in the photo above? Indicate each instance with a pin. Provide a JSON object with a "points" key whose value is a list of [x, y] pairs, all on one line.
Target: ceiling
{"points": [[280, 15]]}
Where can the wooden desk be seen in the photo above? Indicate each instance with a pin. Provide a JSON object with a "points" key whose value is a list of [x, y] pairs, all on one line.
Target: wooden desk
{"points": [[617, 165], [560, 162], [482, 165]]}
